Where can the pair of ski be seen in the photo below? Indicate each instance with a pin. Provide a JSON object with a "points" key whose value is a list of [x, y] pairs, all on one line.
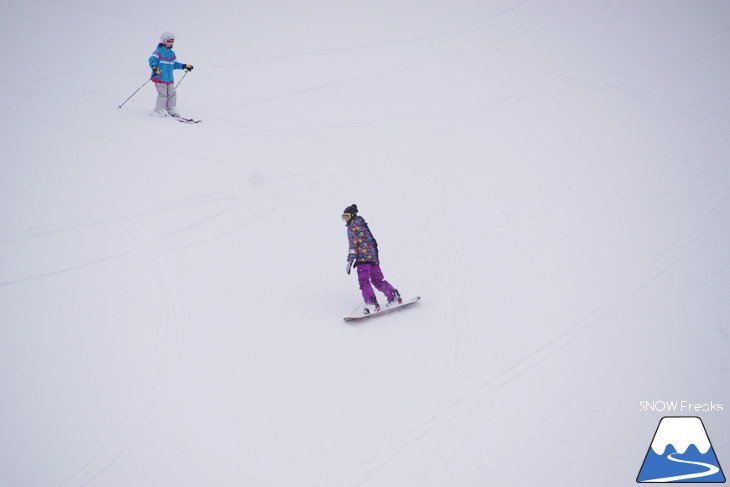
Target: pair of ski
{"points": [[383, 311], [185, 119]]}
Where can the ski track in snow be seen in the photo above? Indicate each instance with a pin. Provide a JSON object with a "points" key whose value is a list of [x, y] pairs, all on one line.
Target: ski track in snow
{"points": [[146, 210], [673, 254], [220, 202], [85, 223], [157, 376], [605, 32], [456, 395]]}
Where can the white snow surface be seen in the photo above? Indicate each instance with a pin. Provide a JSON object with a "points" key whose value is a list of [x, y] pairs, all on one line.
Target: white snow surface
{"points": [[551, 177]]}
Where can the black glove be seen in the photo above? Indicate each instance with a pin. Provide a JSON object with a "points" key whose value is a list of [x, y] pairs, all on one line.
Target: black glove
{"points": [[188, 67], [156, 70], [349, 264]]}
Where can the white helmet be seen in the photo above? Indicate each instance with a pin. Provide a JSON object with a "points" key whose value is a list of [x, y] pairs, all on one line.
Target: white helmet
{"points": [[167, 36]]}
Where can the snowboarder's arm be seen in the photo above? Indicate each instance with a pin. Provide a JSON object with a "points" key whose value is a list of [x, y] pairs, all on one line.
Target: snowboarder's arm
{"points": [[352, 241], [352, 252]]}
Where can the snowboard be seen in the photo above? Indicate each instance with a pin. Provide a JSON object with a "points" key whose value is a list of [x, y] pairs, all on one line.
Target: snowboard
{"points": [[383, 311]]}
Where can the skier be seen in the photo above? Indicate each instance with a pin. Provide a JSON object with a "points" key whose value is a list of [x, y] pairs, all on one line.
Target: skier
{"points": [[163, 62], [363, 254]]}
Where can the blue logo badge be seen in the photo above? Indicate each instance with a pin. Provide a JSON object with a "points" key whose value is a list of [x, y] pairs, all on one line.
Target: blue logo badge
{"points": [[681, 452]]}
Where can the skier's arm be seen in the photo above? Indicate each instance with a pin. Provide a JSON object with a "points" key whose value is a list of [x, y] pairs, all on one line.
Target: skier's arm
{"points": [[154, 63]]}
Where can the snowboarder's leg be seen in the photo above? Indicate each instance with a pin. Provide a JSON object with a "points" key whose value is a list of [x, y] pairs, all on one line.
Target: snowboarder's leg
{"points": [[363, 278], [376, 276]]}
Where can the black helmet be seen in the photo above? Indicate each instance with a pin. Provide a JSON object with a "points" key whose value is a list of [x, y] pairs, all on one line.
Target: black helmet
{"points": [[349, 213]]}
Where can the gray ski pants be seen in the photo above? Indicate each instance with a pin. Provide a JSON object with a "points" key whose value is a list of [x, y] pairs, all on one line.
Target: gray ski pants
{"points": [[166, 97]]}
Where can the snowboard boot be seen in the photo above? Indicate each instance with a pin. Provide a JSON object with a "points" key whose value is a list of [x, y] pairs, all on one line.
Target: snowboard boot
{"points": [[373, 307], [395, 301]]}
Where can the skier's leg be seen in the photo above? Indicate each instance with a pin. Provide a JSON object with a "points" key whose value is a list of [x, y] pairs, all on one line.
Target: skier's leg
{"points": [[376, 276], [363, 278], [161, 97], [171, 99]]}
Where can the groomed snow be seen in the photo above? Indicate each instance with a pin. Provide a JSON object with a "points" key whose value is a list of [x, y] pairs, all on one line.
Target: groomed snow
{"points": [[550, 177]]}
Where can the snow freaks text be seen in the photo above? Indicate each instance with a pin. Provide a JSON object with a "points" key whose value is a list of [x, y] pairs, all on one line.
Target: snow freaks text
{"points": [[682, 407]]}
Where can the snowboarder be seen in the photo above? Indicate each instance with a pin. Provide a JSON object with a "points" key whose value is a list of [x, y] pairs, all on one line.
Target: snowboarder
{"points": [[363, 254], [163, 62]]}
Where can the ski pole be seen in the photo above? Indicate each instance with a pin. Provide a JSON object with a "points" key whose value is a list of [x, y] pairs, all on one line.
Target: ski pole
{"points": [[181, 79], [130, 96]]}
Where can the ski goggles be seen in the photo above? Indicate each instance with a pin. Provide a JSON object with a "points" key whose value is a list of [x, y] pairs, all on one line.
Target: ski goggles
{"points": [[347, 216]]}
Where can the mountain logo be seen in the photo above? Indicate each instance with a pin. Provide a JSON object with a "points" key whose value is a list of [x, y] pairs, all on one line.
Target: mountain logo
{"points": [[681, 452]]}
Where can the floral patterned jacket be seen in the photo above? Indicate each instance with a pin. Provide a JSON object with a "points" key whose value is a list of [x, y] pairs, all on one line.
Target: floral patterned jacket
{"points": [[363, 246]]}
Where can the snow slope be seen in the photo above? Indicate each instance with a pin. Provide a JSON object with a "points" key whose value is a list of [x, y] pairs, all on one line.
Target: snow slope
{"points": [[551, 177]]}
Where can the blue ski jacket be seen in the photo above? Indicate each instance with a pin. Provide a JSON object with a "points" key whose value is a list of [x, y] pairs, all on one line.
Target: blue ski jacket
{"points": [[164, 59]]}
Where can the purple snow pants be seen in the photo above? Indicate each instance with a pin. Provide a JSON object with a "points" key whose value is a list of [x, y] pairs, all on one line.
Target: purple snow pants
{"points": [[367, 273]]}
